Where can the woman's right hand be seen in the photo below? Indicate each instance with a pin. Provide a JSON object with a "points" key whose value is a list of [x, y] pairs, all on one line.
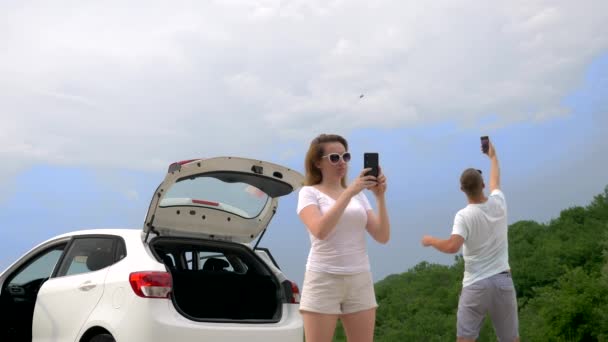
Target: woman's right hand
{"points": [[361, 182]]}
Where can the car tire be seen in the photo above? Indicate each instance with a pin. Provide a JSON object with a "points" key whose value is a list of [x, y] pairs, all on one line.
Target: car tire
{"points": [[103, 338]]}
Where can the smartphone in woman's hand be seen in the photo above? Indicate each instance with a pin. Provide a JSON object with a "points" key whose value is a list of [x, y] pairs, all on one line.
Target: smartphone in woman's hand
{"points": [[370, 160]]}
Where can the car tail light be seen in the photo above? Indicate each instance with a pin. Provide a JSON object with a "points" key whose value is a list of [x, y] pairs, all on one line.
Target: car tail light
{"points": [[177, 165], [151, 284], [183, 162], [295, 293]]}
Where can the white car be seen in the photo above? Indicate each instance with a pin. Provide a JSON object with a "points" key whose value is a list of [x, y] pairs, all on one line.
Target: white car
{"points": [[193, 273]]}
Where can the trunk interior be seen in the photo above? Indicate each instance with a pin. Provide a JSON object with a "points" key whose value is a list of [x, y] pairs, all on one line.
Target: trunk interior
{"points": [[219, 281]]}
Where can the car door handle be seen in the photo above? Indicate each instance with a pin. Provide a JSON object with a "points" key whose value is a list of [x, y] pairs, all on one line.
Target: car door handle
{"points": [[86, 286]]}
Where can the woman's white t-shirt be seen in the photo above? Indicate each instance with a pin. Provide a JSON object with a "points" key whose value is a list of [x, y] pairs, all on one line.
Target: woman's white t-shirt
{"points": [[343, 250]]}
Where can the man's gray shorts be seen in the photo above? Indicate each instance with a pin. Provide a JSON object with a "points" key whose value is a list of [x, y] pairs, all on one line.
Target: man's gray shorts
{"points": [[494, 296]]}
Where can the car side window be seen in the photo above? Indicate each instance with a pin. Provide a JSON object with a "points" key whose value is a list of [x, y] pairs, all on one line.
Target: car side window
{"points": [[39, 269], [87, 255], [189, 260]]}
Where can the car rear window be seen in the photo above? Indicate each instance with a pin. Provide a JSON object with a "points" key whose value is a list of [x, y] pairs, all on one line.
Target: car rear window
{"points": [[235, 197]]}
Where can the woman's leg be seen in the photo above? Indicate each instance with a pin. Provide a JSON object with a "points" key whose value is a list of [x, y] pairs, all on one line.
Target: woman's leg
{"points": [[359, 326], [319, 327]]}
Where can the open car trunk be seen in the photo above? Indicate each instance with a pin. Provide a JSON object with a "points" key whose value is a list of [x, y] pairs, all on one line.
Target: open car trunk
{"points": [[220, 281]]}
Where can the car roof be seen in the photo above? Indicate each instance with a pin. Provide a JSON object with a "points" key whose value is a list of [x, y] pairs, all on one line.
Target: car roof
{"points": [[126, 232]]}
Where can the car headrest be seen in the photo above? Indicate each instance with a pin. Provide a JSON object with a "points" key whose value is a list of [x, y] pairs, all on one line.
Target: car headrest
{"points": [[214, 264], [99, 259]]}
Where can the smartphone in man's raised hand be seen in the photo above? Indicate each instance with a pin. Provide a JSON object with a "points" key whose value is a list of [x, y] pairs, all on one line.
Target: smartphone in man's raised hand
{"points": [[370, 160], [485, 144]]}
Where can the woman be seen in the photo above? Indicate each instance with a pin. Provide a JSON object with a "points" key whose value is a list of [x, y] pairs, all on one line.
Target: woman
{"points": [[338, 281]]}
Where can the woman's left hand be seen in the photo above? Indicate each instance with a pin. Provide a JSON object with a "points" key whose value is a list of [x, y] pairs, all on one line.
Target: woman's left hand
{"points": [[380, 188]]}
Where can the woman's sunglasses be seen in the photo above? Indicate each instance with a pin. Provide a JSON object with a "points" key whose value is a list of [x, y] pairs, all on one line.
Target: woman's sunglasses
{"points": [[334, 158]]}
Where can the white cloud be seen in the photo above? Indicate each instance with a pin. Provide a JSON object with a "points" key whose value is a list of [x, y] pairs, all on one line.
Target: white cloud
{"points": [[138, 83]]}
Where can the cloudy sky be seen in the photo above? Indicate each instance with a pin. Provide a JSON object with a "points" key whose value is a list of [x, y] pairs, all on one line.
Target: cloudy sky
{"points": [[97, 98]]}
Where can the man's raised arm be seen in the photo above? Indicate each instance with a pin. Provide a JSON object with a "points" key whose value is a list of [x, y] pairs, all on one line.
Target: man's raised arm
{"points": [[494, 169]]}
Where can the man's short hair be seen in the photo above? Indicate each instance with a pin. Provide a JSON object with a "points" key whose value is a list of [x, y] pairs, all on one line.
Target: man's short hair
{"points": [[471, 182]]}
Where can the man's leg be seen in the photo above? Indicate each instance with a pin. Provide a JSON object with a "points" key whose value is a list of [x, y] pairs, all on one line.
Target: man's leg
{"points": [[503, 310], [472, 308]]}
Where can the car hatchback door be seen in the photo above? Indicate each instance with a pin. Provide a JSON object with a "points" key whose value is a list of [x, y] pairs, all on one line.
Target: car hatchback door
{"points": [[224, 198]]}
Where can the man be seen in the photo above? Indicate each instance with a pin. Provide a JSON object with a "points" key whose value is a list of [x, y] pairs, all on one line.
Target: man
{"points": [[487, 287]]}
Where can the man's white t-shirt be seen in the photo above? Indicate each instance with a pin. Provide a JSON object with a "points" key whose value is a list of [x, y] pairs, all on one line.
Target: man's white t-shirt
{"points": [[343, 250], [484, 229]]}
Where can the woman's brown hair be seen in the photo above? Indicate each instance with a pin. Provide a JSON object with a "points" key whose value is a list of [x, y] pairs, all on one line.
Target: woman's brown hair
{"points": [[314, 155]]}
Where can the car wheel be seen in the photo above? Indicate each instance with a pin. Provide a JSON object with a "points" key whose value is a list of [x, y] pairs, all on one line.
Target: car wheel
{"points": [[103, 338]]}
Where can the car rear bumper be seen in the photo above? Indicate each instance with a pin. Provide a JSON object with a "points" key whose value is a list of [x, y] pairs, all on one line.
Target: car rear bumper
{"points": [[153, 320]]}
